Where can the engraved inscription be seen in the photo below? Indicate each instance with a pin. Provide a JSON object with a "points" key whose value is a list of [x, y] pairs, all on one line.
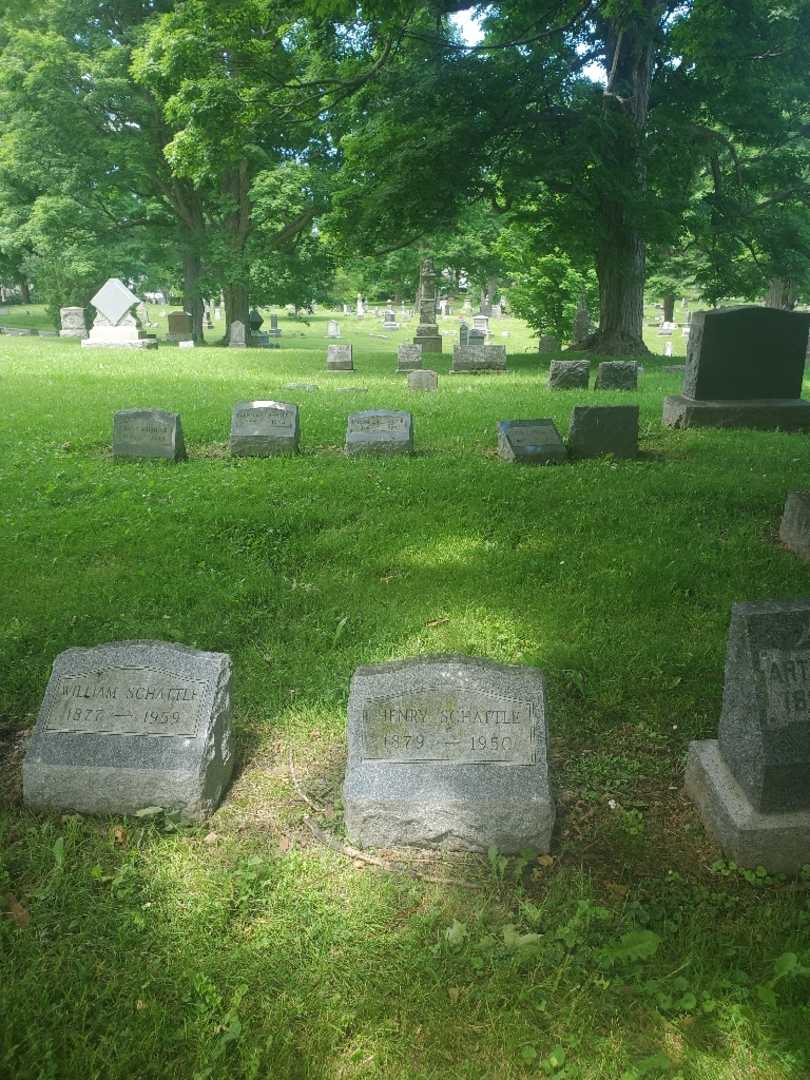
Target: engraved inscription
{"points": [[135, 430], [787, 686], [535, 435], [460, 726], [263, 416], [378, 423], [126, 701]]}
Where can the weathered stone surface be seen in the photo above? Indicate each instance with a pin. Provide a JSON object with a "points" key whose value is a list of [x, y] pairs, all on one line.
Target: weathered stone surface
{"points": [[603, 429], [237, 335], [148, 433], [409, 357], [427, 332], [549, 343], [448, 752], [530, 442], [779, 842], [333, 328], [130, 725], [379, 431], [264, 428], [764, 732], [569, 374], [765, 415], [255, 320], [339, 358], [617, 375], [181, 326], [794, 531], [305, 386], [474, 358], [425, 379], [72, 322]]}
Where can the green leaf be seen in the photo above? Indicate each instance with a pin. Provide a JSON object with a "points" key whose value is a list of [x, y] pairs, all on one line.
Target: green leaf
{"points": [[456, 933], [636, 945]]}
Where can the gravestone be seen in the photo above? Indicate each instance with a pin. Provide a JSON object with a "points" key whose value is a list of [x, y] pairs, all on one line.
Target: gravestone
{"points": [[333, 328], [530, 442], [255, 320], [115, 326], [448, 752], [603, 429], [481, 323], [275, 329], [390, 320], [409, 357], [569, 374], [668, 348], [339, 358], [744, 368], [237, 335], [351, 389], [185, 344], [463, 334], [794, 531], [72, 322], [427, 332], [181, 326], [549, 343], [130, 725], [582, 322], [360, 309], [264, 429], [752, 785], [379, 431], [425, 379], [617, 375], [476, 358], [148, 433], [305, 386]]}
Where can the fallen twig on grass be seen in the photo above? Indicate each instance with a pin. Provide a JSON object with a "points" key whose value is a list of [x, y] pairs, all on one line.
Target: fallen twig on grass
{"points": [[301, 793], [334, 844]]}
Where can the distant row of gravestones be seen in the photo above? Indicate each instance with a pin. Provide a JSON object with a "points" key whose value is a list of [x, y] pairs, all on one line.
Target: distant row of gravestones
{"points": [[443, 751], [268, 428]]}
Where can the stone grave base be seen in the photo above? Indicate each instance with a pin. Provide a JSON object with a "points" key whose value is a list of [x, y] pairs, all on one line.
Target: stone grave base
{"points": [[429, 344], [779, 842], [135, 343], [73, 333], [108, 790], [419, 806], [766, 414]]}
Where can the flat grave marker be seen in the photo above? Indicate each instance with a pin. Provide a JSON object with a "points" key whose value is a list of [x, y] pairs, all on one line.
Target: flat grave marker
{"points": [[148, 433]]}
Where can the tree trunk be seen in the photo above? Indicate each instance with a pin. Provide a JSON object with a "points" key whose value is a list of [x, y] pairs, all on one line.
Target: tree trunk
{"points": [[622, 179], [669, 307], [620, 270], [781, 294], [237, 307], [192, 300], [25, 290]]}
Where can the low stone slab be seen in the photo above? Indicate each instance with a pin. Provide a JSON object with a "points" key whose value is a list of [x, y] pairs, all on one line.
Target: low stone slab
{"points": [[530, 442], [569, 374], [423, 380], [305, 386], [549, 343], [779, 842], [617, 375], [448, 752], [130, 725], [476, 358], [409, 357], [148, 433], [768, 414], [264, 428], [339, 358], [794, 531], [351, 389], [379, 431], [603, 429]]}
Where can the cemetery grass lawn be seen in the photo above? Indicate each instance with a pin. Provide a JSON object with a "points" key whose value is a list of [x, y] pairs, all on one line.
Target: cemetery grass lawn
{"points": [[136, 948]]}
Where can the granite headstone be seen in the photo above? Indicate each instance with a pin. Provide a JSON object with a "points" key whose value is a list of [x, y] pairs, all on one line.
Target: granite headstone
{"points": [[264, 429], [448, 752], [794, 530], [148, 433], [409, 357], [379, 431], [617, 375], [131, 725], [339, 358], [530, 442], [569, 374], [423, 379], [603, 429]]}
